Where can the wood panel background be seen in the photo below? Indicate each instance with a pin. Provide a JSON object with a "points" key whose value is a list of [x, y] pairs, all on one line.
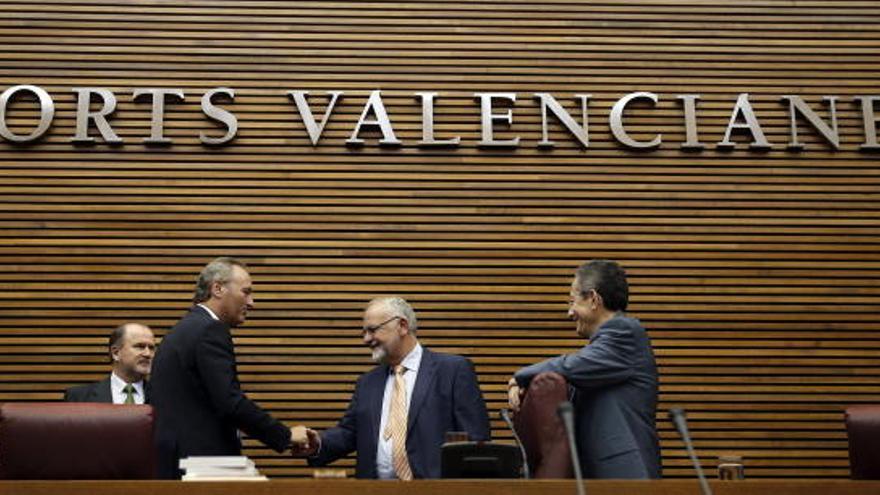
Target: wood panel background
{"points": [[755, 272]]}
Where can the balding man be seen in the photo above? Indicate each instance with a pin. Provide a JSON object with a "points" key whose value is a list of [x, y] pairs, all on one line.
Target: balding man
{"points": [[401, 410], [131, 350]]}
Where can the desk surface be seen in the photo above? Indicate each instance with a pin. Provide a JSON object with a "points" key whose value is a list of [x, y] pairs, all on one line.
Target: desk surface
{"points": [[437, 487]]}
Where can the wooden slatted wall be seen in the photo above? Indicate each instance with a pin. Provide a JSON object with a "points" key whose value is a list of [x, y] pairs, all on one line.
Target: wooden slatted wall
{"points": [[755, 272]]}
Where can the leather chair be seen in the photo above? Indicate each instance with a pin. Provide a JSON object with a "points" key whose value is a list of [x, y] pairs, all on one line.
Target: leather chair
{"points": [[863, 432], [53, 440], [541, 430]]}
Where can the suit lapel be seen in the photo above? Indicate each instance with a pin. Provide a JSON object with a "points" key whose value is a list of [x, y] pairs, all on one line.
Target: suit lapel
{"points": [[375, 392], [424, 383], [102, 391]]}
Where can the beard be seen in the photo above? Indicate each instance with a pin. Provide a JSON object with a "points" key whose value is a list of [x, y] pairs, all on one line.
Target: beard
{"points": [[380, 354]]}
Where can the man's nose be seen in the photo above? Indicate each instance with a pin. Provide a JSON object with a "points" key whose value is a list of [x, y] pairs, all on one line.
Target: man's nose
{"points": [[571, 315]]}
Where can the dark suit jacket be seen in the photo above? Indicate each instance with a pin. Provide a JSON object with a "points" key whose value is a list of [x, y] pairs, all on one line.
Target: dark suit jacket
{"points": [[446, 397], [98, 392], [615, 400], [198, 399]]}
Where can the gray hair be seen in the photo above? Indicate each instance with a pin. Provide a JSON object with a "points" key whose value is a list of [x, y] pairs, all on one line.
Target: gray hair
{"points": [[220, 271], [399, 307]]}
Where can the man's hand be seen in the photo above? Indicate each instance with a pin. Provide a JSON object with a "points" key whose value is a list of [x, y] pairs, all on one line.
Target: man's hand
{"points": [[514, 395], [304, 441]]}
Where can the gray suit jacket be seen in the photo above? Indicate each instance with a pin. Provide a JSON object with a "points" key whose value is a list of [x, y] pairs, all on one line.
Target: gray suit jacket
{"points": [[614, 381]]}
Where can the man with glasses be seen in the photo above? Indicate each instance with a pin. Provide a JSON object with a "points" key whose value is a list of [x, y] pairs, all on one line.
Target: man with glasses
{"points": [[613, 378], [401, 410]]}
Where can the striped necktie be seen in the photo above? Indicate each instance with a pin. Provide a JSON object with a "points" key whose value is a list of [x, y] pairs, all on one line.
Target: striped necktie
{"points": [[395, 429], [128, 390]]}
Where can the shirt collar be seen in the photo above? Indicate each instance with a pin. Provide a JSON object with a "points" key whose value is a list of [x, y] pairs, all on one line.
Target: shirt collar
{"points": [[118, 384], [413, 359], [210, 313]]}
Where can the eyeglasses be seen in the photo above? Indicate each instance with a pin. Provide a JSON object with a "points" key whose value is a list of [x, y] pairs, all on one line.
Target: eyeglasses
{"points": [[581, 295], [374, 328]]}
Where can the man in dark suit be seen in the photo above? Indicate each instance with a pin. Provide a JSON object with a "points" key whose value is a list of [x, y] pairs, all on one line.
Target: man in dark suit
{"points": [[401, 410], [131, 351], [196, 393], [614, 378]]}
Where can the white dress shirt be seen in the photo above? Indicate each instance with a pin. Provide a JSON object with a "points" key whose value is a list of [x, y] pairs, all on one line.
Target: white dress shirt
{"points": [[116, 386], [384, 464]]}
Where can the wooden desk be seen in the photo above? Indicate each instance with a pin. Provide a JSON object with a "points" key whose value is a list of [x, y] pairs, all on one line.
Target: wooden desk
{"points": [[436, 487]]}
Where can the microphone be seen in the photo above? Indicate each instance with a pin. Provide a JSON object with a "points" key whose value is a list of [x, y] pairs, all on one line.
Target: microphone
{"points": [[565, 411], [505, 415], [678, 418]]}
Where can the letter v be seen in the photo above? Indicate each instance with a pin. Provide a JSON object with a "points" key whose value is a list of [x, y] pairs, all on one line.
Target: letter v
{"points": [[314, 129]]}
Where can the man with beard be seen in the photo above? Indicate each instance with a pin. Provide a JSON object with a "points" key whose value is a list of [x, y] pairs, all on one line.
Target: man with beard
{"points": [[196, 393], [131, 350], [614, 378], [401, 410]]}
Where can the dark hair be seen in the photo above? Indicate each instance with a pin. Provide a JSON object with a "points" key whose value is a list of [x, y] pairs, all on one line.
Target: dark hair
{"points": [[608, 279], [218, 270]]}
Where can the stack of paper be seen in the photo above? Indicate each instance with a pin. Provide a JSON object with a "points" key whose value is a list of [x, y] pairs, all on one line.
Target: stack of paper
{"points": [[220, 468]]}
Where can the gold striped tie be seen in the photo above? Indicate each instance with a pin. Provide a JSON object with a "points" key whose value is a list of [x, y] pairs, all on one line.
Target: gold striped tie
{"points": [[395, 429]]}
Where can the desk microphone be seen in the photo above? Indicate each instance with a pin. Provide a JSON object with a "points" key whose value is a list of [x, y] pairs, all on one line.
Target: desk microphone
{"points": [[566, 414], [678, 418], [505, 415]]}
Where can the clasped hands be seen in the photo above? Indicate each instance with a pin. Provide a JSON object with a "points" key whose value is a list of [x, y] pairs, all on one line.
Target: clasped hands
{"points": [[304, 441]]}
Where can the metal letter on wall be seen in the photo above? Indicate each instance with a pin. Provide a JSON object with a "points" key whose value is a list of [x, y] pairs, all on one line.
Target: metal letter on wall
{"points": [[223, 116], [157, 121], [869, 122], [315, 129], [616, 122], [47, 113], [689, 103], [487, 120], [797, 105], [428, 124], [84, 115], [751, 124], [375, 105], [581, 132]]}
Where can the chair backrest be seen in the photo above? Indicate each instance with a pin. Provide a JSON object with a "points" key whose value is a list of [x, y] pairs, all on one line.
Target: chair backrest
{"points": [[53, 440], [541, 430], [863, 432]]}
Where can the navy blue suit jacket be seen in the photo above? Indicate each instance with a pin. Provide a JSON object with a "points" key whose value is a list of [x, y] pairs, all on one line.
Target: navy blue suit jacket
{"points": [[615, 400], [446, 397], [198, 399]]}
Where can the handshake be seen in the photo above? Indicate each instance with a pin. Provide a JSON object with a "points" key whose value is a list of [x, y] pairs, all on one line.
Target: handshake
{"points": [[304, 441]]}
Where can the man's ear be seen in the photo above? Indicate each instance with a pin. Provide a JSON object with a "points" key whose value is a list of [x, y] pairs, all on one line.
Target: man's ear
{"points": [[404, 326], [114, 353], [217, 289]]}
